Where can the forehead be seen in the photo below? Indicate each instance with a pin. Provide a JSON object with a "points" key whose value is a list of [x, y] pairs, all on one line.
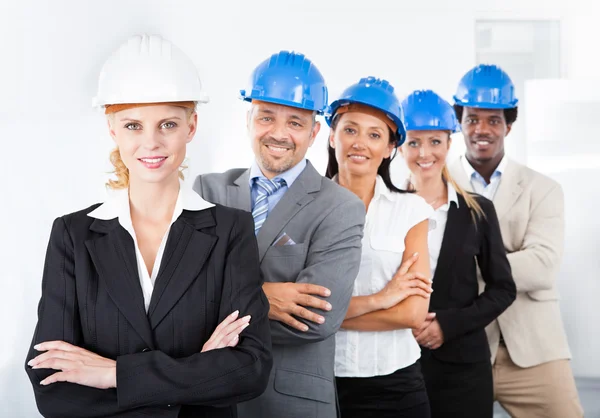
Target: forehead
{"points": [[484, 113], [428, 134], [151, 112], [281, 110], [362, 119]]}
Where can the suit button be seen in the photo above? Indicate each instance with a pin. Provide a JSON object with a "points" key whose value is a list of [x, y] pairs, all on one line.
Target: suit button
{"points": [[145, 350]]}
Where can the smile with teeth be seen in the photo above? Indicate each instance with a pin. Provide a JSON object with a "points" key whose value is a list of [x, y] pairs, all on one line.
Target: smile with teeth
{"points": [[357, 157], [482, 142], [425, 165], [152, 160], [275, 148]]}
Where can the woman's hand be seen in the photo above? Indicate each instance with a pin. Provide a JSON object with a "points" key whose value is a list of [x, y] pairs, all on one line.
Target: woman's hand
{"points": [[227, 334], [76, 365], [430, 334], [403, 285]]}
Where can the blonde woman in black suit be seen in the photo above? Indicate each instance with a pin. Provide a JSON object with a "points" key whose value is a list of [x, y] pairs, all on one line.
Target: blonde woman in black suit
{"points": [[463, 234], [151, 302]]}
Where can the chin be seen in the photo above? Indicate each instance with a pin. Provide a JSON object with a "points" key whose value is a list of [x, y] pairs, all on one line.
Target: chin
{"points": [[156, 178], [481, 158], [362, 171], [276, 166]]}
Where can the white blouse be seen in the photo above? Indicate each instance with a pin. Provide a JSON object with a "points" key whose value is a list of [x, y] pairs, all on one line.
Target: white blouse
{"points": [[437, 226], [376, 353], [117, 206]]}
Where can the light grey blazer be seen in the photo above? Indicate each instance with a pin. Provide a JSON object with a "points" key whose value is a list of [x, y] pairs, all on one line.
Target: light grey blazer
{"points": [[326, 223], [530, 209]]}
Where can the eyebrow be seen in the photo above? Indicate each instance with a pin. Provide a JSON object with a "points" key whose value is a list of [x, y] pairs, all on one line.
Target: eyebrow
{"points": [[292, 116], [298, 117], [351, 122], [159, 122]]}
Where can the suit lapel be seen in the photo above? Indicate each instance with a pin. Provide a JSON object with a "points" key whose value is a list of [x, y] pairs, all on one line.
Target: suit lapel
{"points": [[238, 194], [114, 257], [452, 242], [508, 191], [294, 199], [186, 252]]}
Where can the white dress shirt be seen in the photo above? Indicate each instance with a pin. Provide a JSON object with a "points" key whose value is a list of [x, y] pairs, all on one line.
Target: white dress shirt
{"points": [[117, 206], [376, 353], [437, 226], [478, 183]]}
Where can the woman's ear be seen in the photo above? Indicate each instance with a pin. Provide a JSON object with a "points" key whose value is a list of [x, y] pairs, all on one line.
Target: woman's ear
{"points": [[111, 131], [331, 139]]}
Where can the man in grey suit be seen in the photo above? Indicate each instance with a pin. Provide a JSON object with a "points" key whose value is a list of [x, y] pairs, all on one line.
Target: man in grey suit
{"points": [[309, 233]]}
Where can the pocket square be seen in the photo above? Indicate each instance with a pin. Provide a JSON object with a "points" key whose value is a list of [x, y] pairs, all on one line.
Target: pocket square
{"points": [[284, 240]]}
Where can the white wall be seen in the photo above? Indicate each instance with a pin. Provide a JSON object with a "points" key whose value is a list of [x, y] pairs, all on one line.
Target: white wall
{"points": [[562, 116], [56, 147]]}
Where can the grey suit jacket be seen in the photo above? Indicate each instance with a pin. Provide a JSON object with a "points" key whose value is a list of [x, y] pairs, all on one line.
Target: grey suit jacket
{"points": [[530, 210], [326, 222]]}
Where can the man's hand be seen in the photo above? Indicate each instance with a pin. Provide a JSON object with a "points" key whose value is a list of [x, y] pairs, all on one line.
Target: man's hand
{"points": [[287, 299], [430, 334]]}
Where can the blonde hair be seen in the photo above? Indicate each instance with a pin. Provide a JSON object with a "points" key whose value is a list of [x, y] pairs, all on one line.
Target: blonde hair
{"points": [[474, 206], [121, 171]]}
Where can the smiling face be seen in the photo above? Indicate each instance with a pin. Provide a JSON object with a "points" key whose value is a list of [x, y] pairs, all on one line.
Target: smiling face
{"points": [[281, 135], [484, 131], [152, 140], [361, 142], [425, 153]]}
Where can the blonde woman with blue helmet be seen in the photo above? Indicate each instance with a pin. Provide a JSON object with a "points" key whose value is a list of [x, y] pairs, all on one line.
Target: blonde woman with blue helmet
{"points": [[376, 362], [463, 234], [151, 301]]}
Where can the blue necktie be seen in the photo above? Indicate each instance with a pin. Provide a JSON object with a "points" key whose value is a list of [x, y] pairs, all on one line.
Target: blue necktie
{"points": [[264, 188]]}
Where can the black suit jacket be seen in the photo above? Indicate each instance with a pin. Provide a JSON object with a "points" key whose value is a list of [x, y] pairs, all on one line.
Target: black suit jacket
{"points": [[461, 311], [91, 297]]}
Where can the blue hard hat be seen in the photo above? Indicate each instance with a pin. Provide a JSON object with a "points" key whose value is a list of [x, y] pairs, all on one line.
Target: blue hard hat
{"points": [[377, 93], [289, 79], [488, 87], [424, 110]]}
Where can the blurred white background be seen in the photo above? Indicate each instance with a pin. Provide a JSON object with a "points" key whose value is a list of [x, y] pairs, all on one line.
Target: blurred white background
{"points": [[56, 146]]}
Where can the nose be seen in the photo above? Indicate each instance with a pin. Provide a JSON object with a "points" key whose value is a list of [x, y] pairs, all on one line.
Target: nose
{"points": [[151, 140], [424, 150], [482, 128], [360, 141], [279, 131]]}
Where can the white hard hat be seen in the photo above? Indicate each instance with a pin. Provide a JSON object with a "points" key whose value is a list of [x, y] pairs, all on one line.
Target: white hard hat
{"points": [[148, 69]]}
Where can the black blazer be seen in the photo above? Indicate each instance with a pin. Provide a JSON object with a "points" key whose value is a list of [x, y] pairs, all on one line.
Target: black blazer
{"points": [[91, 297], [461, 311]]}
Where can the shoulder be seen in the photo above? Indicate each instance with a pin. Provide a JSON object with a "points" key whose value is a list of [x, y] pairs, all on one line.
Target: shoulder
{"points": [[229, 215], [485, 203], [410, 202], [339, 205], [487, 208], [334, 192], [531, 176], [218, 179], [405, 210], [80, 217], [75, 224]]}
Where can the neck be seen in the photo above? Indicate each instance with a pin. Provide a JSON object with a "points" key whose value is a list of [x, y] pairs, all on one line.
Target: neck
{"points": [[361, 186], [486, 168], [155, 201], [433, 190]]}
